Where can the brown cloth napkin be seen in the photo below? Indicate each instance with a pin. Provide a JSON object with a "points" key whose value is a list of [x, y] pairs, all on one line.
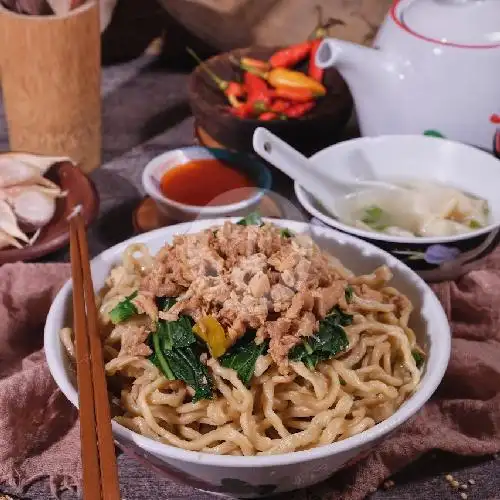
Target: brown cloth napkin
{"points": [[39, 435]]}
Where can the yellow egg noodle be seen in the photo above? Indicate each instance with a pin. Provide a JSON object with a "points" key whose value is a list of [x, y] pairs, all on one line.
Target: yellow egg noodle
{"points": [[287, 405]]}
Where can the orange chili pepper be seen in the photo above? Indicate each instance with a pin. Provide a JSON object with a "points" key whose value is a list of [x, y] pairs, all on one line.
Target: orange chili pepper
{"points": [[282, 77]]}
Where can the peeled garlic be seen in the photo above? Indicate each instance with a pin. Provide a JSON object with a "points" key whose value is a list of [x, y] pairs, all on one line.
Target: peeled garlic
{"points": [[8, 222], [8, 241], [41, 163], [33, 208]]}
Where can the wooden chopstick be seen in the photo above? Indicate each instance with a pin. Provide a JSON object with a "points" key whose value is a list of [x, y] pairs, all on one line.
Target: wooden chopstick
{"points": [[100, 476]]}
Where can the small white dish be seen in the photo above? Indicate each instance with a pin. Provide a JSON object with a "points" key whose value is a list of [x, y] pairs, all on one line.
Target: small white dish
{"points": [[256, 476], [426, 158], [180, 212]]}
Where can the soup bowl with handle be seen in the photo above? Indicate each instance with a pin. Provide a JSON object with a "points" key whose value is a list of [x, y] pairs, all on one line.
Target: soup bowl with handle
{"points": [[423, 158], [259, 476]]}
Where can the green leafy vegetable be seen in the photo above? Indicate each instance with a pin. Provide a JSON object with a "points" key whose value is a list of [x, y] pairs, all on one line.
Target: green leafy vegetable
{"points": [[418, 356], [286, 233], [373, 216], [349, 292], [177, 354], [123, 310], [186, 366], [252, 219], [158, 359], [474, 224], [175, 333], [330, 340], [243, 355]]}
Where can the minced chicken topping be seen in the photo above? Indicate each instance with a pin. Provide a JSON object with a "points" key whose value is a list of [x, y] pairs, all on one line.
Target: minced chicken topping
{"points": [[248, 277]]}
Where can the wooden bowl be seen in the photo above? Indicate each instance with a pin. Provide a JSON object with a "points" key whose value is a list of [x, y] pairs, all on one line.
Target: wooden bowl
{"points": [[55, 235], [313, 131]]}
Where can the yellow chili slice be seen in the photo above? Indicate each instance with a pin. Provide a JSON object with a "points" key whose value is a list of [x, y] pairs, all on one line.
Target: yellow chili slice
{"points": [[212, 332]]}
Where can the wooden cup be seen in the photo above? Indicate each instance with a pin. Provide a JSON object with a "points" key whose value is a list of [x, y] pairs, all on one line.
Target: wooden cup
{"points": [[50, 70]]}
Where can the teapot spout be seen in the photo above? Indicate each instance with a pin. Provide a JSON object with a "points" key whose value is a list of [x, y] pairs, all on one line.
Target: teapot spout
{"points": [[350, 58], [371, 75]]}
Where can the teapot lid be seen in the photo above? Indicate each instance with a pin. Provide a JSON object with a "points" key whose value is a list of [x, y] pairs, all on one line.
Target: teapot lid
{"points": [[462, 22]]}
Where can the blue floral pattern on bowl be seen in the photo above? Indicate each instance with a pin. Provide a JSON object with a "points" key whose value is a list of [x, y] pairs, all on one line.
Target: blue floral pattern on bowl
{"points": [[434, 254]]}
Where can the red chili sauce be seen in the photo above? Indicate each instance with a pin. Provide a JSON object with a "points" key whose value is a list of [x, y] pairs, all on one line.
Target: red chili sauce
{"points": [[206, 182]]}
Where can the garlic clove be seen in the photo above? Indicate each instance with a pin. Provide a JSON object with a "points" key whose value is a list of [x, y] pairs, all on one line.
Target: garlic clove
{"points": [[8, 241], [43, 181], [14, 172], [34, 208], [10, 193], [40, 162], [8, 222]]}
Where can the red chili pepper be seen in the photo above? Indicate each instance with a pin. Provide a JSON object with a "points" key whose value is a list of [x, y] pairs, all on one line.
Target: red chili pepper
{"points": [[236, 89], [242, 111], [268, 116], [232, 90], [300, 109], [320, 32], [259, 94], [290, 56], [295, 94], [279, 106], [313, 71]]}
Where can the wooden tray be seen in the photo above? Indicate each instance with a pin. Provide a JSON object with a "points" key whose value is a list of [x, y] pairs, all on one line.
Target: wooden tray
{"points": [[146, 216]]}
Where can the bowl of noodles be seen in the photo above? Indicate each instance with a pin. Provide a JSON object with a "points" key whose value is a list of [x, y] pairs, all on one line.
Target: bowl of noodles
{"points": [[253, 357]]}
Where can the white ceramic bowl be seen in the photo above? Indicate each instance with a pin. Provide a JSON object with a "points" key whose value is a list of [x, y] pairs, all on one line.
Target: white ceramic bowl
{"points": [[251, 477], [181, 212], [420, 157]]}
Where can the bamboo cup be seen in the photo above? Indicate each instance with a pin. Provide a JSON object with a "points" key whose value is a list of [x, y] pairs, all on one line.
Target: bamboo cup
{"points": [[50, 71]]}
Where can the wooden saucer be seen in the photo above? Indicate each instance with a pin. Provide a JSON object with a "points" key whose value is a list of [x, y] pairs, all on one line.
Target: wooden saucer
{"points": [[147, 217], [55, 234], [204, 139]]}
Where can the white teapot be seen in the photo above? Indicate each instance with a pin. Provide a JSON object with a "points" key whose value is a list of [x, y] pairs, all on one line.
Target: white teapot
{"points": [[434, 68]]}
